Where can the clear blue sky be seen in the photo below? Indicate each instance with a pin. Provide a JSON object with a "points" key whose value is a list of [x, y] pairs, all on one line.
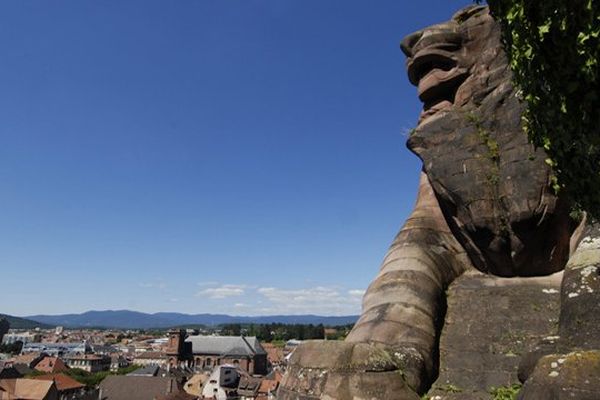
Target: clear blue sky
{"points": [[239, 156]]}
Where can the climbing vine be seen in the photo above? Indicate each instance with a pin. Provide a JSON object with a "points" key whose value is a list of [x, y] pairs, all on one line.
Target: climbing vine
{"points": [[554, 51]]}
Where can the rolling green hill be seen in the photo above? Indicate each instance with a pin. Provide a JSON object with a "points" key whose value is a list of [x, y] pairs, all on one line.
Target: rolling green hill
{"points": [[22, 323]]}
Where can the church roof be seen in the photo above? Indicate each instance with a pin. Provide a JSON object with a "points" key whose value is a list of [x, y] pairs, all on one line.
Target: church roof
{"points": [[226, 345]]}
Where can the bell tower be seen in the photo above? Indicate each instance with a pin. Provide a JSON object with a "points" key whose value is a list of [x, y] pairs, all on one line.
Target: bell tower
{"points": [[175, 346]]}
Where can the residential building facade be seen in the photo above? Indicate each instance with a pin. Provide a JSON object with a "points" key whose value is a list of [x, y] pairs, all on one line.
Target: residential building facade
{"points": [[23, 337], [88, 362], [57, 349], [151, 358]]}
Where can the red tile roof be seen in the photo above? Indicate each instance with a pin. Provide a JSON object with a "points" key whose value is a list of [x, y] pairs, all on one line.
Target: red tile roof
{"points": [[268, 386], [274, 353], [62, 381], [51, 364], [177, 396], [26, 359], [26, 388]]}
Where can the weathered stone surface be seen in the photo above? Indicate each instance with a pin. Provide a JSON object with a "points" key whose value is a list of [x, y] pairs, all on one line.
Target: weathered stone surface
{"points": [[346, 371], [580, 297], [567, 376], [482, 341], [568, 365], [579, 323]]}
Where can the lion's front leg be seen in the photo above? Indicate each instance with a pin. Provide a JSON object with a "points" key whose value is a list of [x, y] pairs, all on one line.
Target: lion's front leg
{"points": [[396, 335], [404, 306]]}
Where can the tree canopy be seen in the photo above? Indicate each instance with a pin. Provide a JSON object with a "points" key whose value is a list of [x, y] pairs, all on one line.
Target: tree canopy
{"points": [[553, 48]]}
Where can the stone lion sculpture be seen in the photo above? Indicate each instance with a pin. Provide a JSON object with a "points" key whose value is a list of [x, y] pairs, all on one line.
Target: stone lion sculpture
{"points": [[484, 203]]}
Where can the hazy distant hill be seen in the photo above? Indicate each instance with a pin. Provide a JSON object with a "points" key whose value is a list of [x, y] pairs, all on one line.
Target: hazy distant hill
{"points": [[22, 323], [137, 320]]}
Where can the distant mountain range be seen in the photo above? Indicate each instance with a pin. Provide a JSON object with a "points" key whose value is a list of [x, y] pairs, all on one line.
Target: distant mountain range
{"points": [[126, 319], [22, 323]]}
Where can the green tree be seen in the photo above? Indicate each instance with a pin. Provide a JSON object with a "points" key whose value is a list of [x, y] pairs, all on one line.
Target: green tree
{"points": [[232, 329], [92, 380], [264, 333], [13, 348], [553, 47]]}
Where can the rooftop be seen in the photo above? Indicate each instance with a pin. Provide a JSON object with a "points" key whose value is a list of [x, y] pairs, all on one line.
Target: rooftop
{"points": [[62, 381], [148, 370], [150, 355], [226, 345], [51, 364], [123, 387], [85, 357], [29, 389]]}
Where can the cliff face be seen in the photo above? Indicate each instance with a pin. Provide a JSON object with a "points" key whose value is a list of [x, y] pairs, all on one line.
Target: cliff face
{"points": [[484, 223]]}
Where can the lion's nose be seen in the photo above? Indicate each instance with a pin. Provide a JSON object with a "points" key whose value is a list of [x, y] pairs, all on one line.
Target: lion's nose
{"points": [[409, 42], [446, 34]]}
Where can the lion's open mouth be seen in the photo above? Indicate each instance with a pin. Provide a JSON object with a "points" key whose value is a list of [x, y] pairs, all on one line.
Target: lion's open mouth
{"points": [[437, 75], [428, 60]]}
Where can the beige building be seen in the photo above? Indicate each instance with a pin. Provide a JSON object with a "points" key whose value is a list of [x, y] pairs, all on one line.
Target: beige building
{"points": [[88, 362], [195, 384], [151, 358], [221, 383]]}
